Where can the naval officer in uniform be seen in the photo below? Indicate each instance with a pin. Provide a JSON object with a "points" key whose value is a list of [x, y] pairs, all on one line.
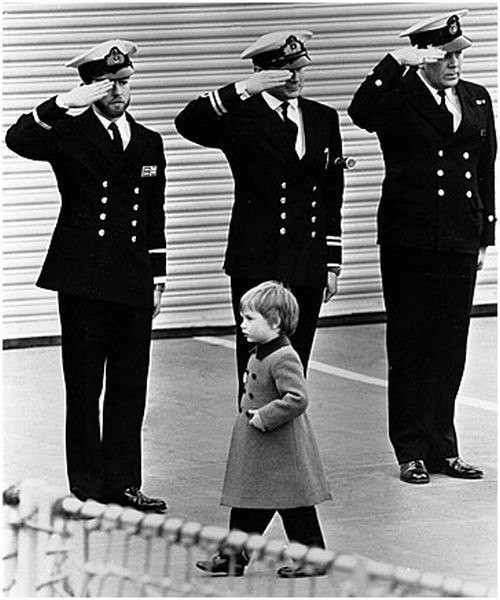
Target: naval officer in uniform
{"points": [[435, 220], [106, 261], [285, 154]]}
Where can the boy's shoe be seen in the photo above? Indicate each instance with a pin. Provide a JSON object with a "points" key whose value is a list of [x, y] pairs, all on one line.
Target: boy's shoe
{"points": [[225, 565], [295, 571]]}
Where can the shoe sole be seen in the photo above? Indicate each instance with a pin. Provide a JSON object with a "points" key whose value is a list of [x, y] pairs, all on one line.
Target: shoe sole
{"points": [[415, 481]]}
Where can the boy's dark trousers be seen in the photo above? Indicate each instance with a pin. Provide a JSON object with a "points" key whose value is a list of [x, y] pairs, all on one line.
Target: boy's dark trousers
{"points": [[301, 524]]}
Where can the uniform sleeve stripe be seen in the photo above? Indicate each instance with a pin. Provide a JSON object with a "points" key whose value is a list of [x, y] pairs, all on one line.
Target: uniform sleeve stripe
{"points": [[158, 251], [214, 104], [39, 122], [333, 241], [219, 102]]}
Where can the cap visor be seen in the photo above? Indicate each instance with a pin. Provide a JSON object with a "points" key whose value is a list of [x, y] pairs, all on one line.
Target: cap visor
{"points": [[121, 74], [459, 43], [303, 61]]}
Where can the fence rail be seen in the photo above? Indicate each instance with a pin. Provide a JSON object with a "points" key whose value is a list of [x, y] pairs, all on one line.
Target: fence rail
{"points": [[57, 546]]}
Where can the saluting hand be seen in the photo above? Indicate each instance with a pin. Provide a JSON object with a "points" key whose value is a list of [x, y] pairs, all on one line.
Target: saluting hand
{"points": [[85, 95], [414, 57], [265, 80]]}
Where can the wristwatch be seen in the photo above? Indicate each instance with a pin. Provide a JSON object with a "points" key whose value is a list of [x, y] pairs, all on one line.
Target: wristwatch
{"points": [[159, 287]]}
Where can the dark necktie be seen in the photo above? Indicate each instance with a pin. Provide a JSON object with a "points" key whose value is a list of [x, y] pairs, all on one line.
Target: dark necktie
{"points": [[444, 109], [290, 126], [117, 138]]}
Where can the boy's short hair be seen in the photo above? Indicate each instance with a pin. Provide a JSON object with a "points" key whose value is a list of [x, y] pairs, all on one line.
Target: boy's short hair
{"points": [[275, 303]]}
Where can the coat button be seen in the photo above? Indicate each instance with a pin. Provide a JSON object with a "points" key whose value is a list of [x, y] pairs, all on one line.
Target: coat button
{"points": [[440, 192], [313, 234], [440, 172], [315, 187], [102, 216], [283, 200], [282, 231], [378, 82], [491, 218], [101, 232], [283, 185], [313, 219], [254, 376], [466, 155], [283, 216], [136, 207], [440, 153], [468, 174], [136, 190], [133, 239], [104, 199], [250, 395], [104, 184], [313, 203], [468, 193], [134, 223]]}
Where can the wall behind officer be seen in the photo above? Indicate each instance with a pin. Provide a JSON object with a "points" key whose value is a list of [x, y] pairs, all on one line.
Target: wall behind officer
{"points": [[436, 218], [106, 260], [285, 222]]}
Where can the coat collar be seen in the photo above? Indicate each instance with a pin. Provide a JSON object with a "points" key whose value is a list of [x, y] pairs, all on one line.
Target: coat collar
{"points": [[264, 350]]}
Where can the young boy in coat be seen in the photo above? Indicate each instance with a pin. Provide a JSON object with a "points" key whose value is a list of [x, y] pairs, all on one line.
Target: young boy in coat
{"points": [[273, 462]]}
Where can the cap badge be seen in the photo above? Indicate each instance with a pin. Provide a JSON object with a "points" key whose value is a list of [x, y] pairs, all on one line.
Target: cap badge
{"points": [[453, 25], [292, 45], [114, 57]]}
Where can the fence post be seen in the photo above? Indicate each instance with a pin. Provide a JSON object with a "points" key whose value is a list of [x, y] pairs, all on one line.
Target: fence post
{"points": [[27, 568]]}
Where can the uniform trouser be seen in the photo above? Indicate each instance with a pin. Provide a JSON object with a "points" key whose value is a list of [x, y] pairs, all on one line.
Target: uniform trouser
{"points": [[309, 300], [428, 299], [301, 524], [111, 341]]}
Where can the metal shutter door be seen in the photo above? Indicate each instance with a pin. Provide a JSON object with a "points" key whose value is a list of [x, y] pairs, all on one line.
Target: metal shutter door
{"points": [[186, 49]]}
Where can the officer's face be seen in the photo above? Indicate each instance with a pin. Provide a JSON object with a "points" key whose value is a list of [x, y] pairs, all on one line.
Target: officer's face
{"points": [[116, 101], [445, 72], [292, 88]]}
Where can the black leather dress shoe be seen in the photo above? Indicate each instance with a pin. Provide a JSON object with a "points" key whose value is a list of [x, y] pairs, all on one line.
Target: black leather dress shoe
{"points": [[222, 566], [296, 571], [414, 471], [134, 498], [79, 494], [456, 467]]}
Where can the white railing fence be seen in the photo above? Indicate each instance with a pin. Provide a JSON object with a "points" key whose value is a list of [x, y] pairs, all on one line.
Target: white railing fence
{"points": [[56, 546]]}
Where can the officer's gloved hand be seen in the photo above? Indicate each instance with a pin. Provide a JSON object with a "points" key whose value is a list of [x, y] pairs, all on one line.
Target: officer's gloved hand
{"points": [[414, 57], [85, 95]]}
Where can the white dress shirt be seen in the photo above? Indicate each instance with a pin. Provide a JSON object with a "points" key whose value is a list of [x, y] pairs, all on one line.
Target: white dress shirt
{"points": [[294, 114], [122, 124], [451, 100]]}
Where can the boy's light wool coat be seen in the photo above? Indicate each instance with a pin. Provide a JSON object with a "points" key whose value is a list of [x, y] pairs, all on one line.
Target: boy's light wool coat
{"points": [[281, 467]]}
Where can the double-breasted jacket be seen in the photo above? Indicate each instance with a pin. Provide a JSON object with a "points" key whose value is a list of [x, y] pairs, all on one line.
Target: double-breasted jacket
{"points": [[109, 239], [285, 220], [438, 190]]}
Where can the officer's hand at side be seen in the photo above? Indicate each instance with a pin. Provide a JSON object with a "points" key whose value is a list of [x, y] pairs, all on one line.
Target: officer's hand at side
{"points": [[265, 80], [84, 95], [331, 287], [414, 57], [157, 303], [481, 258]]}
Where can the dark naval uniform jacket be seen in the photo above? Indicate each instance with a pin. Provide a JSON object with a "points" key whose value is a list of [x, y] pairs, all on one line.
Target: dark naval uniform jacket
{"points": [[438, 191], [109, 240], [285, 221]]}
